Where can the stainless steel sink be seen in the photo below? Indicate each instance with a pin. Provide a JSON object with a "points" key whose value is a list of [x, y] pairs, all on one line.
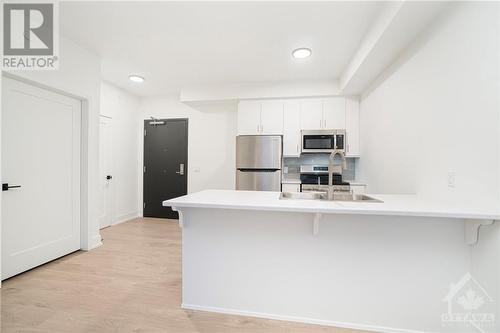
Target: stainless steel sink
{"points": [[304, 195], [337, 196], [353, 197]]}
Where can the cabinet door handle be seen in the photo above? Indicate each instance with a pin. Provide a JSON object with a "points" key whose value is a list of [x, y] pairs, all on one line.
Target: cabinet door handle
{"points": [[297, 148], [320, 123], [258, 128], [261, 128]]}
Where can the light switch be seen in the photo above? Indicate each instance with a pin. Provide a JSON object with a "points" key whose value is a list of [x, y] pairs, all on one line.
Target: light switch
{"points": [[451, 179]]}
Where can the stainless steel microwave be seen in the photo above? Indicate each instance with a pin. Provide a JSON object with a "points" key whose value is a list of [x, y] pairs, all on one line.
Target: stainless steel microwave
{"points": [[323, 141]]}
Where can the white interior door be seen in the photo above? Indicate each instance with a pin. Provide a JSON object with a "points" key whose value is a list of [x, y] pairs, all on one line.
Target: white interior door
{"points": [[105, 160], [40, 153]]}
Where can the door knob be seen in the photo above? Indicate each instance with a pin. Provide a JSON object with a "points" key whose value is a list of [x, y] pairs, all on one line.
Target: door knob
{"points": [[108, 177], [6, 187]]}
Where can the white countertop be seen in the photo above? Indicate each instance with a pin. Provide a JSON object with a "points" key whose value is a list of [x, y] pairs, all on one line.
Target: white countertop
{"points": [[398, 205]]}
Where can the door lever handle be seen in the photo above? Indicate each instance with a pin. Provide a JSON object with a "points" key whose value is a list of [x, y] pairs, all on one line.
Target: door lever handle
{"points": [[181, 169], [109, 177], [6, 187]]}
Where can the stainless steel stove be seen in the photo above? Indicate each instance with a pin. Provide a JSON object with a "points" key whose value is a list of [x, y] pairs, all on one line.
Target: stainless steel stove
{"points": [[324, 188], [314, 178]]}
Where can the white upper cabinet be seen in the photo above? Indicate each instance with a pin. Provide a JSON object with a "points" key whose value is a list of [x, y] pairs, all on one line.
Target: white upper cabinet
{"points": [[291, 129], [352, 127], [334, 115], [311, 114], [260, 117], [271, 118], [249, 118], [326, 113], [289, 117]]}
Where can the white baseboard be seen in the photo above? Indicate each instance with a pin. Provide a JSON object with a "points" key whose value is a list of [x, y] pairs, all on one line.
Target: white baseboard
{"points": [[372, 328], [125, 217]]}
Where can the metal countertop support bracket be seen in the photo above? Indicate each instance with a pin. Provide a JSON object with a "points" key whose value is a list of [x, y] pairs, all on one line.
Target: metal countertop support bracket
{"points": [[182, 220], [472, 227]]}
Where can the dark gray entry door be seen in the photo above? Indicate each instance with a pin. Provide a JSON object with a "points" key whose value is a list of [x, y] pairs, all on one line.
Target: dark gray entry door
{"points": [[165, 164]]}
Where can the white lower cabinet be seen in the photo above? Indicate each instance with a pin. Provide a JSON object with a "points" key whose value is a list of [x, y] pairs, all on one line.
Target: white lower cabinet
{"points": [[285, 187], [291, 129]]}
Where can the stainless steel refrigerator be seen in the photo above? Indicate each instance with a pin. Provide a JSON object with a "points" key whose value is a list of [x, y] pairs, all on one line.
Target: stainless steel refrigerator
{"points": [[258, 162]]}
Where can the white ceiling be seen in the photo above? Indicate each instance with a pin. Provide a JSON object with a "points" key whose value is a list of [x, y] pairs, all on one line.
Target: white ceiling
{"points": [[177, 44]]}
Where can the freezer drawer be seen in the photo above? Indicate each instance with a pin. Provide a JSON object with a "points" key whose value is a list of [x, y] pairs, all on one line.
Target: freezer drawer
{"points": [[255, 180], [258, 152]]}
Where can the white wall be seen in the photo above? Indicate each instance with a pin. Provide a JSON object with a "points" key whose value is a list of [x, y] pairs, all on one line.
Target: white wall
{"points": [[122, 108], [211, 140], [437, 111], [235, 92], [79, 75], [498, 158]]}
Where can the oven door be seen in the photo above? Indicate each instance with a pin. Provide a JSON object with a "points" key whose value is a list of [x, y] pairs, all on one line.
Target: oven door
{"points": [[318, 142]]}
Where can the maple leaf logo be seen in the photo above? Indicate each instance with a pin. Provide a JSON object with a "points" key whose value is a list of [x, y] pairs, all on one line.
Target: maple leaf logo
{"points": [[471, 301]]}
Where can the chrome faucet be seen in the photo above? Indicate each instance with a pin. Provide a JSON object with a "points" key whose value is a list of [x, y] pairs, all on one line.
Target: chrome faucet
{"points": [[330, 169]]}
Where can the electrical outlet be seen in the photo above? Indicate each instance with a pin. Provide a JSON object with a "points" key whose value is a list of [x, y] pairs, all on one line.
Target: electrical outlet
{"points": [[451, 179]]}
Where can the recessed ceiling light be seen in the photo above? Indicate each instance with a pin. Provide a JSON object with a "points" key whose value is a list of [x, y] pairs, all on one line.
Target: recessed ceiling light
{"points": [[301, 53], [136, 78]]}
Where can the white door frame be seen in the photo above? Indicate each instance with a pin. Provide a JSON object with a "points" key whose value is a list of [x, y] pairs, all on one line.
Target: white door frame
{"points": [[109, 191], [85, 243]]}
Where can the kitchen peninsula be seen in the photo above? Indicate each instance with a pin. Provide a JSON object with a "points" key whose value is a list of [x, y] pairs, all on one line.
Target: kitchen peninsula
{"points": [[345, 264]]}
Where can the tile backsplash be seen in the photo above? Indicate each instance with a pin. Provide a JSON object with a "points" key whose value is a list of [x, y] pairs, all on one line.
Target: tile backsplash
{"points": [[293, 164]]}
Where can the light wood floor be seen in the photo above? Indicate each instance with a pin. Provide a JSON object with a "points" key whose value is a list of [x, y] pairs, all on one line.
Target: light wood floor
{"points": [[130, 284]]}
